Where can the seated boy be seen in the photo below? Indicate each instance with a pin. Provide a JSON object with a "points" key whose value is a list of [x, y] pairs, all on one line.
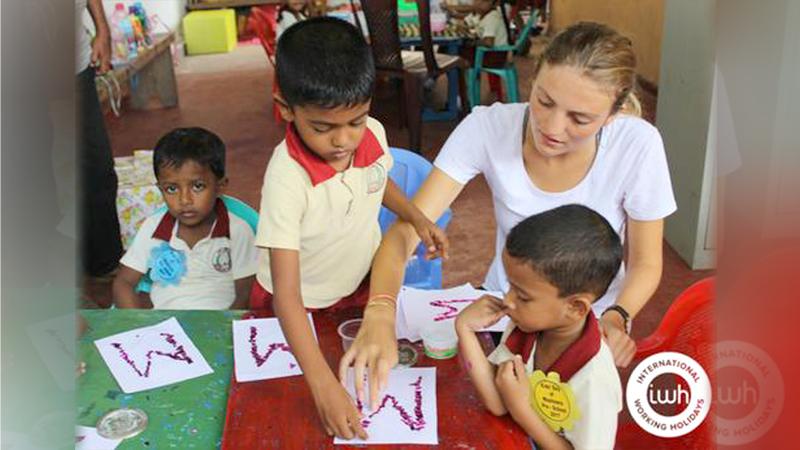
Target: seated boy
{"points": [[558, 262], [197, 254], [323, 190]]}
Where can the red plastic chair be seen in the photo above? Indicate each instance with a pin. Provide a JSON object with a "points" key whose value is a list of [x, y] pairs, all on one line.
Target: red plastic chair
{"points": [[688, 328], [264, 21]]}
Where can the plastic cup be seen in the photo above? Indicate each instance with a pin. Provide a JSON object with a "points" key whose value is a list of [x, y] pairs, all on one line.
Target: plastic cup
{"points": [[440, 340], [348, 331]]}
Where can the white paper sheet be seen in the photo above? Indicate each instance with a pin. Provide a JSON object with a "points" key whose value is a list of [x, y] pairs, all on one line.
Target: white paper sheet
{"points": [[406, 411], [260, 350], [86, 438], [54, 340], [423, 307], [151, 357]]}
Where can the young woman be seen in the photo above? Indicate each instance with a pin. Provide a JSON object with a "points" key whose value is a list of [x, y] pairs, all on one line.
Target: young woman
{"points": [[579, 140]]}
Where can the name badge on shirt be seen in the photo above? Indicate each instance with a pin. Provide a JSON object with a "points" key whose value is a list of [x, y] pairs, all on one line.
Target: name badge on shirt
{"points": [[167, 265], [553, 401]]}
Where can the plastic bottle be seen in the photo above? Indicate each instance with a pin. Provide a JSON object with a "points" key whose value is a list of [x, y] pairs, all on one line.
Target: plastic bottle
{"points": [[126, 27], [141, 13], [138, 30], [438, 17], [119, 43]]}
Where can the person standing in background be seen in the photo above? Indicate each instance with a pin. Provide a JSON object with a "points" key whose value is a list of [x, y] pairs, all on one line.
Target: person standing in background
{"points": [[100, 242]]}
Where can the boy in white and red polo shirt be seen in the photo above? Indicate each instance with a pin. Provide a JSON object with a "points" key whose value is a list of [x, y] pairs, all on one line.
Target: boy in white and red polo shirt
{"points": [[198, 255], [323, 189], [552, 371]]}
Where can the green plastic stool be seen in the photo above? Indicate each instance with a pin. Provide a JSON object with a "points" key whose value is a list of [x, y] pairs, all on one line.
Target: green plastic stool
{"points": [[508, 73]]}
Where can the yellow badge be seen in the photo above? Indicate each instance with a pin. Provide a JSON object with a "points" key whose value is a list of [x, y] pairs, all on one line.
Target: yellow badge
{"points": [[553, 401]]}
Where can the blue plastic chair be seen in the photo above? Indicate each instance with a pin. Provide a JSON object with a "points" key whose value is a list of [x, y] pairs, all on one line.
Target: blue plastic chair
{"points": [[507, 73], [235, 206], [408, 172]]}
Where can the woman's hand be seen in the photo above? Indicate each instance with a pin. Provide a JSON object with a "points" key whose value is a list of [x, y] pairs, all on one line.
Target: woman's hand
{"points": [[375, 347], [619, 342]]}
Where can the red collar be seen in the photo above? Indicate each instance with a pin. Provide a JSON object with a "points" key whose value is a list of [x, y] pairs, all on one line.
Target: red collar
{"points": [[368, 151], [573, 358], [222, 226]]}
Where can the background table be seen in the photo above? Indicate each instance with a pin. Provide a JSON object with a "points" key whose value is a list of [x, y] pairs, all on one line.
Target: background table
{"points": [[186, 415], [150, 74], [280, 413]]}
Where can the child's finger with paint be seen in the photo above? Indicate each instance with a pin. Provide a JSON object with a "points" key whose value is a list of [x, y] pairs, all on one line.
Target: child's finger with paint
{"points": [[355, 424]]}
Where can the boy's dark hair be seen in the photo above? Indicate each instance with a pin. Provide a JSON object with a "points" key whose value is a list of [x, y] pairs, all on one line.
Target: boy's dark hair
{"points": [[572, 246], [190, 144], [324, 62]]}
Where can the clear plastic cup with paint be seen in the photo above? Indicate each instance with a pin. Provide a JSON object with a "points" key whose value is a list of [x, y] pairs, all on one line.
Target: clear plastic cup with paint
{"points": [[440, 340], [348, 330]]}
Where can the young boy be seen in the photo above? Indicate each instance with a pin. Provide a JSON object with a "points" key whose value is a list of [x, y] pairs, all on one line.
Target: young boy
{"points": [[552, 372], [198, 255], [491, 27], [323, 189]]}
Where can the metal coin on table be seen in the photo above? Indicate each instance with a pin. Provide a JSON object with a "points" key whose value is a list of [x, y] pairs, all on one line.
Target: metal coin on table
{"points": [[122, 423], [406, 354]]}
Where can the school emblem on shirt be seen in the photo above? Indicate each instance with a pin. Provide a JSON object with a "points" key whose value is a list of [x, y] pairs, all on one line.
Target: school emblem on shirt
{"points": [[222, 260], [376, 177], [553, 401]]}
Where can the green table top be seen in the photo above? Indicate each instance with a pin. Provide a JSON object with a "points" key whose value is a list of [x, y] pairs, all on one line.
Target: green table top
{"points": [[185, 415]]}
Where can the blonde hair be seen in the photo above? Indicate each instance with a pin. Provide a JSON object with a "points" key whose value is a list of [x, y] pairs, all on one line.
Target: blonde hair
{"points": [[603, 55]]}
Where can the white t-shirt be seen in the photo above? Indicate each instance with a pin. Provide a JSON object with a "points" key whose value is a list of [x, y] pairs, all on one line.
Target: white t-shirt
{"points": [[628, 178], [492, 25], [83, 42], [212, 265], [598, 394]]}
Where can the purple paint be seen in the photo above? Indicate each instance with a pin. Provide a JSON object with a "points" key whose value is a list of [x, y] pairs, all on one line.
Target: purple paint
{"points": [[451, 311], [259, 359], [414, 424], [178, 355]]}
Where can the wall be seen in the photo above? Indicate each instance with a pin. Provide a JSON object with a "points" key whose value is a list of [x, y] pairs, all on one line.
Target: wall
{"points": [[640, 20], [169, 11], [684, 115]]}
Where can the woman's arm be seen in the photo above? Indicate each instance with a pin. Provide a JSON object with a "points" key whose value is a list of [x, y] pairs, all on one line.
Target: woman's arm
{"points": [[375, 346], [643, 273], [433, 237]]}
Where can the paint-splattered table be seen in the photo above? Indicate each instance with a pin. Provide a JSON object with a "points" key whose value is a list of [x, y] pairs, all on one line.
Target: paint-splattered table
{"points": [[186, 415], [280, 413]]}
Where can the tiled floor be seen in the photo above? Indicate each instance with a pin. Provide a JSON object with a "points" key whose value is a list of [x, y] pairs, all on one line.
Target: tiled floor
{"points": [[230, 94]]}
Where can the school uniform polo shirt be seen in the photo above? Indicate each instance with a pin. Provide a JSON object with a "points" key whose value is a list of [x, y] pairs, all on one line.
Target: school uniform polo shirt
{"points": [[329, 217], [587, 366], [227, 254]]}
